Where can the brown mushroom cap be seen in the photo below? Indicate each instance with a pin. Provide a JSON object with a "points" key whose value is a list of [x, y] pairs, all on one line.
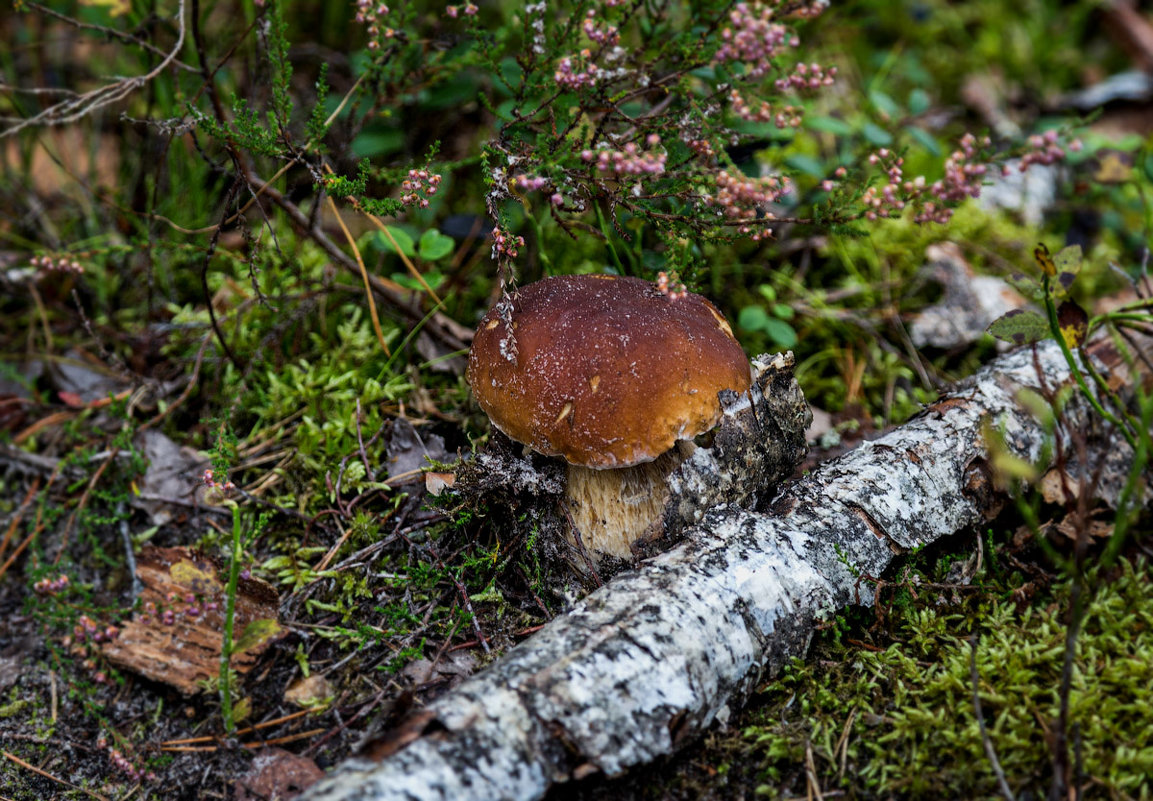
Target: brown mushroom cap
{"points": [[604, 370]]}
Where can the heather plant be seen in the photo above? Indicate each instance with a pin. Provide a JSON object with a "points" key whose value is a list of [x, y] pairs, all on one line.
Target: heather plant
{"points": [[618, 119]]}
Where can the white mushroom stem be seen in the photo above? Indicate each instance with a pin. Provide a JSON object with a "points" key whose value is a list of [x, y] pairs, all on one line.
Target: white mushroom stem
{"points": [[611, 510]]}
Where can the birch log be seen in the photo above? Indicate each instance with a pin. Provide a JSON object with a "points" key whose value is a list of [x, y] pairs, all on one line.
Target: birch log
{"points": [[660, 653]]}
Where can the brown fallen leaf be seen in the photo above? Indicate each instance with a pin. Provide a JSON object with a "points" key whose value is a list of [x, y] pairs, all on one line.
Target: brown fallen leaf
{"points": [[313, 692], [436, 483], [276, 775], [175, 637]]}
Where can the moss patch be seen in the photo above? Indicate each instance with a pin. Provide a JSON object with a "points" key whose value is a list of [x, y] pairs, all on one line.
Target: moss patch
{"points": [[900, 721]]}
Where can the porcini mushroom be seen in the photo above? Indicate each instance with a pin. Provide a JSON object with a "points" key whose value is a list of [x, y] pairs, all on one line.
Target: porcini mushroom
{"points": [[609, 373]]}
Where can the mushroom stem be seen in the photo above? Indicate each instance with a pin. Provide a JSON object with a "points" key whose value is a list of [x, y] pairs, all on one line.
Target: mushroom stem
{"points": [[615, 509]]}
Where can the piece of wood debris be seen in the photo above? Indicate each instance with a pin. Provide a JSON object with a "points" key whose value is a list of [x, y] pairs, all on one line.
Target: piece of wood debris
{"points": [[175, 636]]}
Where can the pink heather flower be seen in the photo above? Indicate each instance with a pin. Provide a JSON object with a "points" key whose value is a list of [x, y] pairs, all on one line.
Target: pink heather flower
{"points": [[753, 39], [505, 244], [452, 11], [672, 288], [629, 160], [418, 183], [570, 75], [739, 196]]}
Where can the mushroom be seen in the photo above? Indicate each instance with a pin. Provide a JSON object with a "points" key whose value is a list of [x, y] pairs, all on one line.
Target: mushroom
{"points": [[610, 373]]}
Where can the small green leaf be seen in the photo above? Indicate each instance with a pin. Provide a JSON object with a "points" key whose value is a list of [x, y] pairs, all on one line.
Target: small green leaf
{"points": [[752, 318], [1027, 285], [780, 332], [876, 135], [403, 241], [1020, 327], [924, 139], [434, 278], [1068, 263], [435, 245], [884, 104], [919, 101], [831, 125], [807, 164], [256, 634], [376, 142]]}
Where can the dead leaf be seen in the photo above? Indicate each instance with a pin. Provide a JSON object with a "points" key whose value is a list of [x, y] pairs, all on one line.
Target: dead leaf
{"points": [[313, 692], [436, 483], [81, 379], [1096, 529], [454, 665], [410, 451], [172, 473], [176, 636], [276, 775]]}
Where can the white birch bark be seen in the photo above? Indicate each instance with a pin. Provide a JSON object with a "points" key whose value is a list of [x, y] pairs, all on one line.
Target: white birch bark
{"points": [[660, 653]]}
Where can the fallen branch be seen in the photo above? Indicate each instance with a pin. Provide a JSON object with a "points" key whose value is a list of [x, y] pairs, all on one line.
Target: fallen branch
{"points": [[652, 659]]}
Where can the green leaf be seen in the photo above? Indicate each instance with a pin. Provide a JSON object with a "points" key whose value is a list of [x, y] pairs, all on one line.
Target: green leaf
{"points": [[783, 311], [1027, 285], [807, 164], [403, 241], [1020, 327], [377, 142], [919, 101], [1067, 263], [876, 135], [924, 139], [755, 318], [752, 318], [831, 125], [780, 332], [256, 634], [434, 278], [435, 245], [884, 104]]}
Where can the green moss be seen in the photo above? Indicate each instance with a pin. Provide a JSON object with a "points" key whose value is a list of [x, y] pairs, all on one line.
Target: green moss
{"points": [[906, 713], [14, 708]]}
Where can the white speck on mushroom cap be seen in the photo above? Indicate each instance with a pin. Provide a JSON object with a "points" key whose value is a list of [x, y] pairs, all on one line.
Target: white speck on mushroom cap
{"points": [[608, 372]]}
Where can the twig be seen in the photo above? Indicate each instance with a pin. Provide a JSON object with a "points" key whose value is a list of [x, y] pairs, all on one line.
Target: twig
{"points": [[247, 730], [19, 515], [813, 787], [990, 752], [19, 550], [75, 108], [463, 598], [103, 30], [290, 738]]}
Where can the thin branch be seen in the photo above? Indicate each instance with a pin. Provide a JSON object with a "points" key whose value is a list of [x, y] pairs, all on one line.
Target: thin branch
{"points": [[76, 108]]}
